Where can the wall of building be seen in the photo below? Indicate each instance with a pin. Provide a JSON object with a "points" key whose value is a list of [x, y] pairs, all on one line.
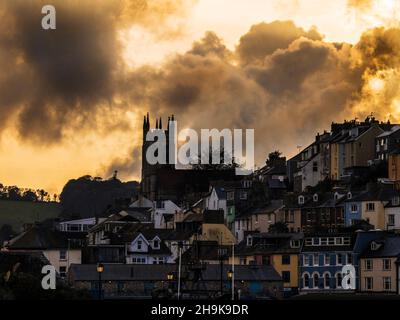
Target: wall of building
{"points": [[375, 217], [377, 273], [394, 167], [73, 256], [276, 261]]}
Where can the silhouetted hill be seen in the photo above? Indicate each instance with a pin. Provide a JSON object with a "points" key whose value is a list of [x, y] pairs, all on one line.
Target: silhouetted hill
{"points": [[91, 196]]}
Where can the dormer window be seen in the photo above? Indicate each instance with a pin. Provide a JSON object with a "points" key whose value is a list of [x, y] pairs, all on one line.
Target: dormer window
{"points": [[375, 246], [156, 244], [249, 241], [396, 201], [349, 195], [336, 196], [315, 197], [301, 199], [295, 243]]}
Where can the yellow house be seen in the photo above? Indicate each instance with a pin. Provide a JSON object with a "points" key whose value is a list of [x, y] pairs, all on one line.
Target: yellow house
{"points": [[281, 251], [214, 229]]}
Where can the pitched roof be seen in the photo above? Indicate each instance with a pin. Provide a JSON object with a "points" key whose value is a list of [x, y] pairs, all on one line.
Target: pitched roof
{"points": [[41, 238], [390, 247]]}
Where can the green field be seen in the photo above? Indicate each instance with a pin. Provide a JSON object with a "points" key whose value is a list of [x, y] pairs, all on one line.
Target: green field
{"points": [[16, 213]]}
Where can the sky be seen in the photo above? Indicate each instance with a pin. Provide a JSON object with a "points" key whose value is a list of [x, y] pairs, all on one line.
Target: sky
{"points": [[72, 100]]}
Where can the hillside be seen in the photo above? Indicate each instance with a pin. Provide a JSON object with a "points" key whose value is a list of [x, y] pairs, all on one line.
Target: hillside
{"points": [[16, 213]]}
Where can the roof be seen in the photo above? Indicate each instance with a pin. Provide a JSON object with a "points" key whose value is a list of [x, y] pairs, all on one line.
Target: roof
{"points": [[389, 132], [376, 194], [159, 272], [41, 238], [390, 247], [268, 208], [268, 243], [221, 193]]}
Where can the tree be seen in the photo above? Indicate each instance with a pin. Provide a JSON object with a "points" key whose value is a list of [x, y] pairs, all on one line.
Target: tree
{"points": [[273, 157]]}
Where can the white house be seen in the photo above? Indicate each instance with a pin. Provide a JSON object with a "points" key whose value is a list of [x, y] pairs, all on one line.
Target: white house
{"points": [[216, 200], [79, 225], [163, 214], [148, 249]]}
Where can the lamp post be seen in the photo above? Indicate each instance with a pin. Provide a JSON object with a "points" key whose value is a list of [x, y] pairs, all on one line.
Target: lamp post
{"points": [[100, 269], [230, 278]]}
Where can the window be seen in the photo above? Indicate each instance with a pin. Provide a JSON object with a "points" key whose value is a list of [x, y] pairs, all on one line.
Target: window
{"points": [[387, 283], [370, 206], [331, 241], [354, 208], [286, 259], [230, 195], [368, 265], [315, 166], [338, 241], [242, 261], [301, 199], [120, 286], [396, 201], [308, 241], [249, 240], [139, 245], [327, 261], [63, 255], [156, 244], [339, 278], [266, 260], [315, 241], [339, 260], [306, 260], [324, 241], [327, 280], [295, 243], [316, 259], [63, 272], [391, 219], [315, 197], [369, 284], [386, 264], [306, 278], [349, 258], [243, 195], [286, 276], [346, 241], [316, 280]]}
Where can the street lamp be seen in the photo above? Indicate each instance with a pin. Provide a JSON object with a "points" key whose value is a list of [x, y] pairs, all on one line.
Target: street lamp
{"points": [[170, 276], [100, 270], [230, 274]]}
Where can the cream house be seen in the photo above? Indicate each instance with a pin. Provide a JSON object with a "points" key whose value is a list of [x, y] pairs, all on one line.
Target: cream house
{"points": [[61, 248], [379, 265]]}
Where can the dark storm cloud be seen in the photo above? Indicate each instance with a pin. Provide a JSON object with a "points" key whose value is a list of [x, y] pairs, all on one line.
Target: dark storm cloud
{"points": [[58, 80], [264, 38]]}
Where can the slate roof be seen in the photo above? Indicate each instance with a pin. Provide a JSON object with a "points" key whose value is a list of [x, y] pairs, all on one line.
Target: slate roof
{"points": [[377, 194], [41, 238], [390, 248], [159, 272], [268, 208], [389, 132], [269, 243]]}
